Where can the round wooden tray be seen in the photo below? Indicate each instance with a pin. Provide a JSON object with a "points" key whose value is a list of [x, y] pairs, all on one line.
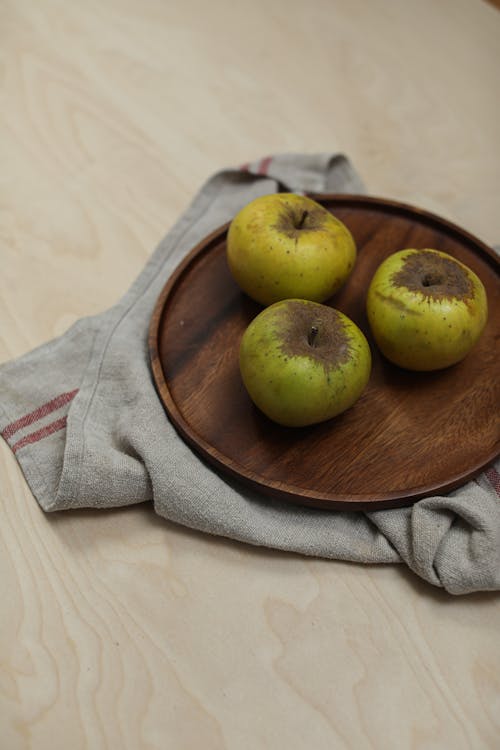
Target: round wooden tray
{"points": [[410, 435]]}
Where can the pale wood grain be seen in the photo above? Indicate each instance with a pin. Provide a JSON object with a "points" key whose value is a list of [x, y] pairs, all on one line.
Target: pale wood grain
{"points": [[119, 630]]}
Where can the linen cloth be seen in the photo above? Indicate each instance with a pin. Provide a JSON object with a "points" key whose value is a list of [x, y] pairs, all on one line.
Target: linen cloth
{"points": [[83, 418]]}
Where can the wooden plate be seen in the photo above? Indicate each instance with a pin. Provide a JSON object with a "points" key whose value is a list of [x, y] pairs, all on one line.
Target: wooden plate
{"points": [[410, 435]]}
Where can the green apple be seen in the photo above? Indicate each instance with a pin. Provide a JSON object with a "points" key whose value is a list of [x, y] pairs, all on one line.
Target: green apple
{"points": [[426, 309], [303, 362], [284, 245]]}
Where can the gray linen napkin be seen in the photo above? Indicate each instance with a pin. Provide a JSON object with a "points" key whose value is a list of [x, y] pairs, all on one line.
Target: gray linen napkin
{"points": [[85, 423]]}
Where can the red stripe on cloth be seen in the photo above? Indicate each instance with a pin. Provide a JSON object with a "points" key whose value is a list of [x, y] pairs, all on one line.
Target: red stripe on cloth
{"points": [[34, 437], [264, 165], [493, 478], [42, 411]]}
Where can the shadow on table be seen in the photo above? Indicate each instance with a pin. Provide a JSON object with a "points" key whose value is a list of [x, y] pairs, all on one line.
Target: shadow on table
{"points": [[82, 530]]}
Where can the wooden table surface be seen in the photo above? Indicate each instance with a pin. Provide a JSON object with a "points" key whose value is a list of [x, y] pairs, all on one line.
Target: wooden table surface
{"points": [[119, 630]]}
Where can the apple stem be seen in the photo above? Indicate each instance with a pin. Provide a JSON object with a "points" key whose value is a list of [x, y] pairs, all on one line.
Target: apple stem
{"points": [[312, 335], [302, 219], [432, 279]]}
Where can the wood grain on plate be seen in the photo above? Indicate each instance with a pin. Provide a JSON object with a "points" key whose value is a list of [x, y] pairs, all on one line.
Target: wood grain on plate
{"points": [[410, 435]]}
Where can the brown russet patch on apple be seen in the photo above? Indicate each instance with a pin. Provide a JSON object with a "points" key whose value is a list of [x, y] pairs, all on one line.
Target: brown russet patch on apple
{"points": [[309, 330], [434, 276], [293, 220]]}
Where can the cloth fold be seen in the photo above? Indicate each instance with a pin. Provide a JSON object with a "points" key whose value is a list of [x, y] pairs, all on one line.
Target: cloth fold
{"points": [[83, 418]]}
